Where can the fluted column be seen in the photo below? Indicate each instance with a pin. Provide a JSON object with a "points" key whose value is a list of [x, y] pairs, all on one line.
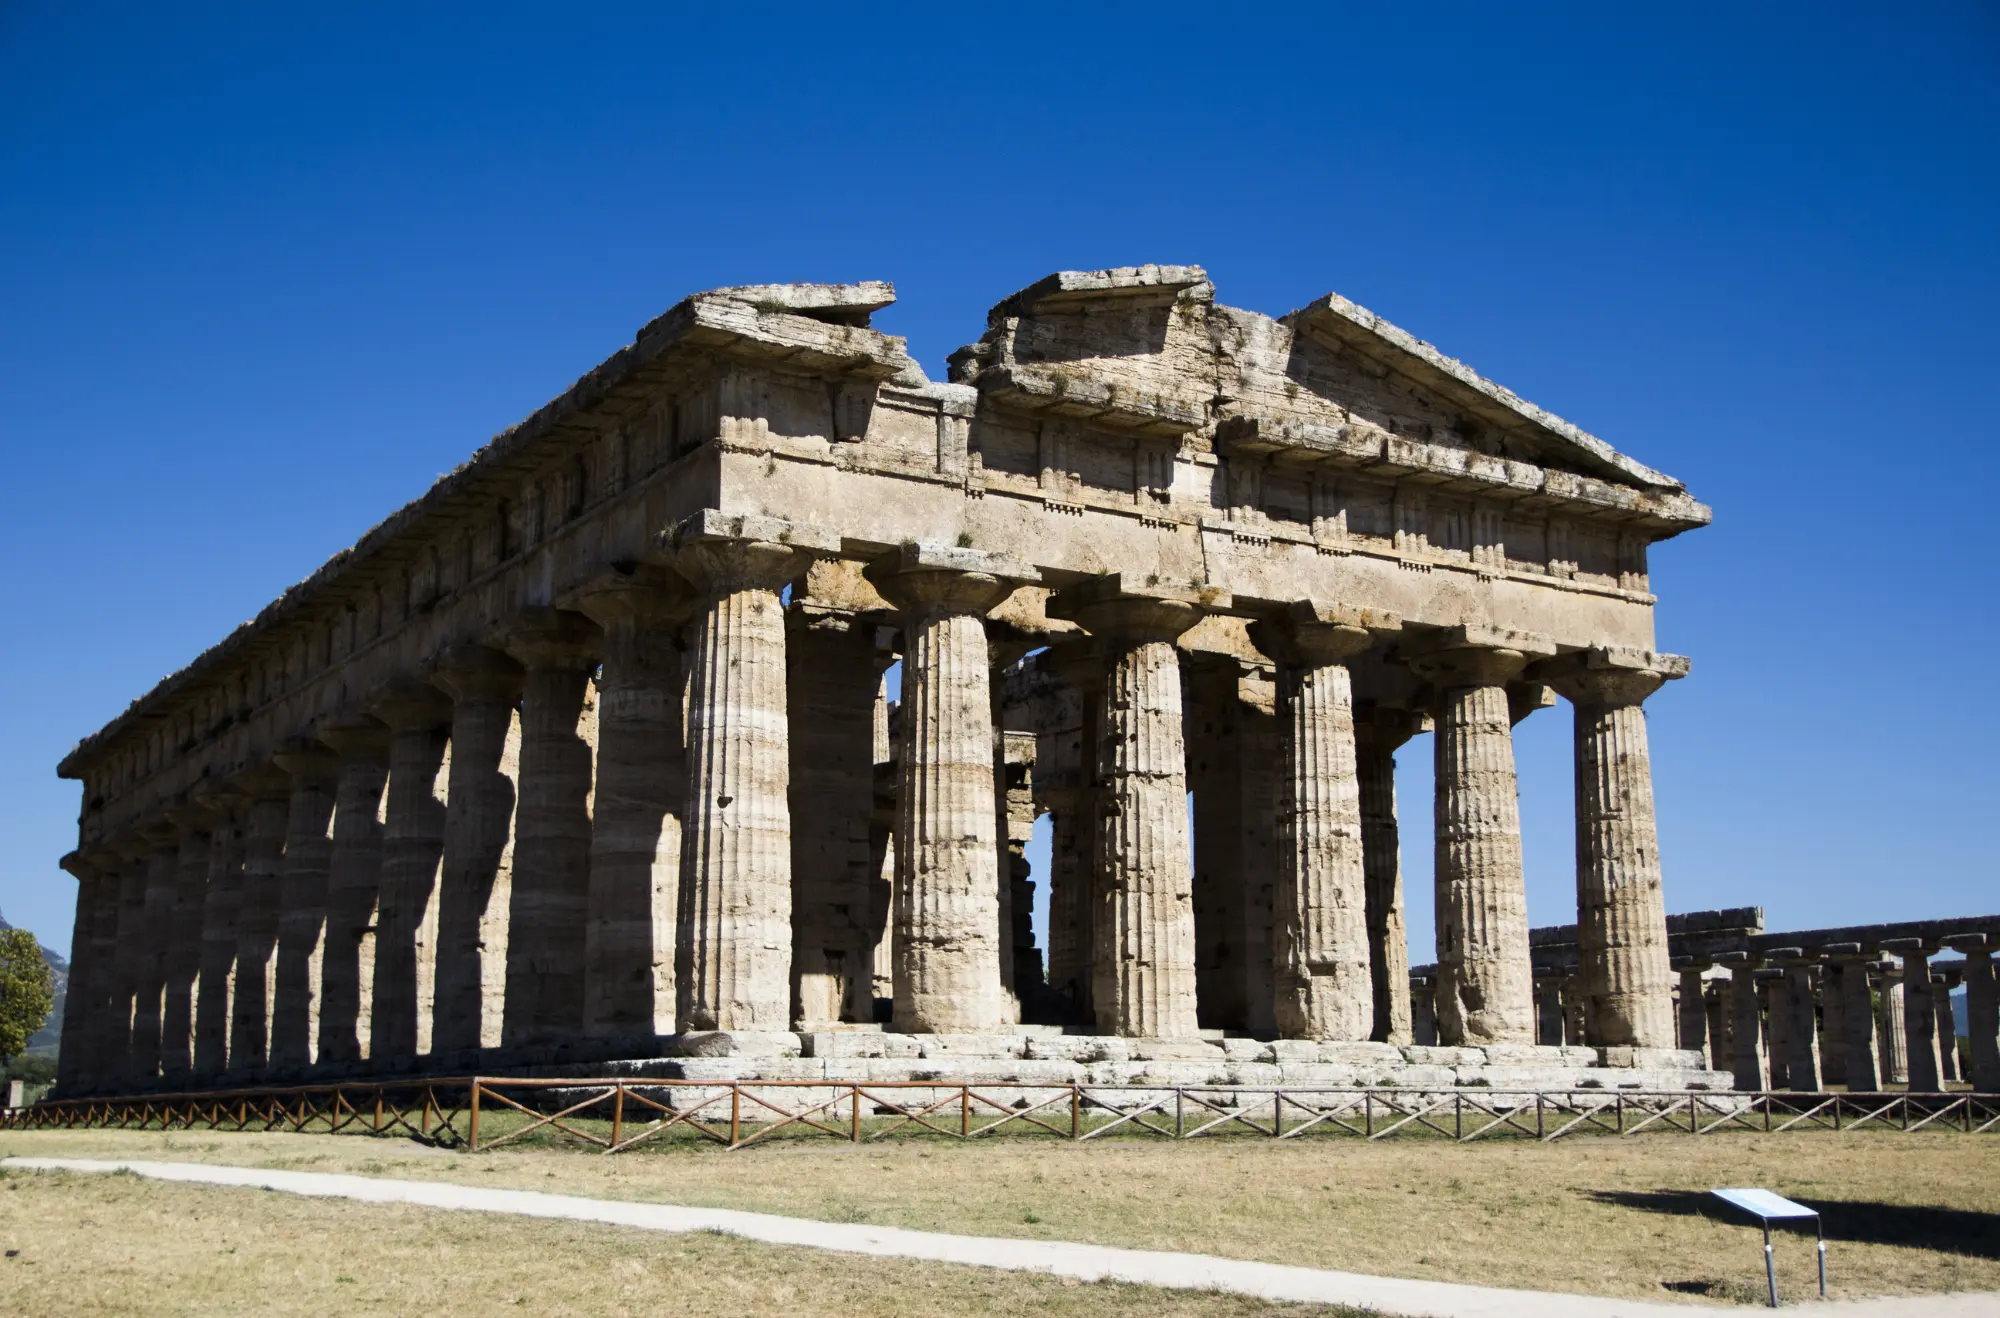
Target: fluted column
{"points": [[1144, 958], [1860, 1071], [353, 889], [1982, 1015], [295, 998], [1485, 988], [1748, 1060], [1324, 981], [1377, 735], [257, 921], [476, 872], [1947, 1028], [149, 965], [1895, 1044], [947, 918], [635, 832], [1070, 789], [734, 940], [222, 901], [1423, 1011], [1621, 907], [81, 1063], [412, 850], [1793, 995], [183, 964], [1693, 1014], [545, 917], [1919, 1017]]}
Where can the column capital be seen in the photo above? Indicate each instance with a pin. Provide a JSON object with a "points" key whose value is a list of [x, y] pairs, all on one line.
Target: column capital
{"points": [[1308, 634], [263, 782], [720, 554], [307, 761], [160, 831], [1381, 727], [1844, 952], [90, 863], [1909, 946], [1611, 675], [554, 639], [1128, 611], [220, 797], [924, 581], [191, 817], [358, 738], [472, 672], [646, 596], [1970, 942], [1474, 654], [411, 706]]}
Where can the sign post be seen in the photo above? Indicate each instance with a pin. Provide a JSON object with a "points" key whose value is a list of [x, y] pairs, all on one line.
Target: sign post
{"points": [[1768, 1208]]}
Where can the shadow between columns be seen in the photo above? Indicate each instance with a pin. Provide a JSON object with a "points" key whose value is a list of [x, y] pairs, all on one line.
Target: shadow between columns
{"points": [[1947, 1230]]}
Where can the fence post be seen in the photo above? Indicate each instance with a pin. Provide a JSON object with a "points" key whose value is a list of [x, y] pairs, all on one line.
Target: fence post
{"points": [[472, 1140], [1075, 1111], [735, 1112], [854, 1114], [617, 1116]]}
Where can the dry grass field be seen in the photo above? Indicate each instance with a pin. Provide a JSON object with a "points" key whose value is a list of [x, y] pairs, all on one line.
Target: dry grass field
{"points": [[1907, 1213]]}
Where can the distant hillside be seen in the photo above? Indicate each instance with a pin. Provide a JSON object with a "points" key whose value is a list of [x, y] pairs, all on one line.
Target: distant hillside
{"points": [[47, 1038]]}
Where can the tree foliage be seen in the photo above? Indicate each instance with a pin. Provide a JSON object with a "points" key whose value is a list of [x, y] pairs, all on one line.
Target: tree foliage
{"points": [[27, 991]]}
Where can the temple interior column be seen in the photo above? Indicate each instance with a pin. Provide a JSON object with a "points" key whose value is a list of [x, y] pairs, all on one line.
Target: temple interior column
{"points": [[257, 920], [1215, 777], [1017, 812], [882, 858], [413, 828], [1485, 983], [1548, 1010], [1919, 1017], [1982, 1014], [1895, 1045], [1144, 955], [1621, 908], [949, 936], [1325, 986], [1423, 1011], [1718, 1025], [834, 671], [1378, 733], [1262, 787], [353, 889], [635, 827], [1747, 1058], [545, 917], [1063, 757], [1777, 1025], [1693, 1010], [315, 774], [184, 933], [476, 869], [221, 901], [735, 935]]}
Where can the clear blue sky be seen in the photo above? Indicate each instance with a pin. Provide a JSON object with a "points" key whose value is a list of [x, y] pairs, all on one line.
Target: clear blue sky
{"points": [[268, 270]]}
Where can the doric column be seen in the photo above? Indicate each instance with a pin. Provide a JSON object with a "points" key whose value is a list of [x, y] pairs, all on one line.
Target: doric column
{"points": [[734, 941], [1693, 1010], [1848, 980], [183, 965], [1485, 983], [1982, 1013], [641, 789], [1423, 1011], [295, 1003], [882, 857], [1895, 1044], [257, 921], [222, 901], [1919, 1016], [412, 848], [1323, 980], [1793, 996], [1621, 911], [947, 927], [1068, 785], [149, 965], [1378, 732], [1832, 1023], [1942, 984], [545, 919], [80, 1065], [1748, 1062], [476, 871], [1144, 961], [353, 889]]}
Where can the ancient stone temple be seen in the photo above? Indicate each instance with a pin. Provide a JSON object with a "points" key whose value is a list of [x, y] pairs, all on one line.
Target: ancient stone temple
{"points": [[587, 756]]}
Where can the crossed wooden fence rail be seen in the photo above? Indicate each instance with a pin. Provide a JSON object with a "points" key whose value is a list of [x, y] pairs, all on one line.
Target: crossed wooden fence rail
{"points": [[623, 1113]]}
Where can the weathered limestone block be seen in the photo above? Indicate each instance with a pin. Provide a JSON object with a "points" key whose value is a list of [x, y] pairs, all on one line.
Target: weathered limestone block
{"points": [[635, 827], [353, 889], [412, 847], [1143, 961], [221, 902], [947, 911], [735, 935], [1621, 908], [308, 863], [476, 867], [1485, 989], [1324, 984], [266, 818]]}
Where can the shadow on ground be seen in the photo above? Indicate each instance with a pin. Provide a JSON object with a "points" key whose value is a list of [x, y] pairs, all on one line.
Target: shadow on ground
{"points": [[1946, 1230]]}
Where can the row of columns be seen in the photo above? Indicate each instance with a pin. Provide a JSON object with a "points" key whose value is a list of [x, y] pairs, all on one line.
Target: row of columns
{"points": [[1845, 1015], [491, 858]]}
